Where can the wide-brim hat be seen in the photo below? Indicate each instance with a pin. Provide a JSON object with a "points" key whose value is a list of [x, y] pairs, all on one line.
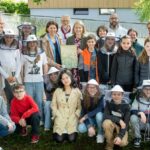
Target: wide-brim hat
{"points": [[52, 70], [92, 81], [31, 38], [111, 34], [9, 32], [117, 88], [26, 24], [146, 83]]}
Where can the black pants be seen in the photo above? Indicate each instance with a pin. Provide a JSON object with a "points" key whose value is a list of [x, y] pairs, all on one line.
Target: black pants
{"points": [[61, 138], [34, 121]]}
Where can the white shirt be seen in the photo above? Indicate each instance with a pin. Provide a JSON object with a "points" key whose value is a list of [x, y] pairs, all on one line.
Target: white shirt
{"points": [[33, 72]]}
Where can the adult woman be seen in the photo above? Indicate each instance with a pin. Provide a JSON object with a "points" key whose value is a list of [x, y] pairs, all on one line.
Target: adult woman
{"points": [[51, 45], [66, 108]]}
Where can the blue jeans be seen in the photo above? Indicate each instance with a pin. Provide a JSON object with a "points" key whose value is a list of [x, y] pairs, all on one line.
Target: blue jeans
{"points": [[4, 130], [47, 114], [36, 90], [97, 120]]}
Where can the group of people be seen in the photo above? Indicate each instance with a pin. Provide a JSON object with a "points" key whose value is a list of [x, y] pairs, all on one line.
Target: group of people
{"points": [[40, 91]]}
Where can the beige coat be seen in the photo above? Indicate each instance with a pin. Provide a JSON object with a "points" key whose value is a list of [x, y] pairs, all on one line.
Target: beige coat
{"points": [[48, 50], [66, 113]]}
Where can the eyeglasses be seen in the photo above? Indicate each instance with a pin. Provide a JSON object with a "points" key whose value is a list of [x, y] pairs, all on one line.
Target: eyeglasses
{"points": [[17, 92]]}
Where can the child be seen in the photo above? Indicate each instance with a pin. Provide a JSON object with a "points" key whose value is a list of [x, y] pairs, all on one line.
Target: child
{"points": [[101, 33], [88, 61], [10, 65], [25, 111], [50, 85], [116, 119], [105, 57], [92, 111], [66, 108], [34, 63], [140, 118], [7, 126], [143, 64], [123, 66]]}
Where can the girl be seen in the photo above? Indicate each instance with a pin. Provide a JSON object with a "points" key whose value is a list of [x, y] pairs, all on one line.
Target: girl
{"points": [[92, 111], [25, 29], [51, 45], [116, 119], [66, 108], [34, 62], [140, 118], [123, 66], [88, 61], [143, 64], [10, 65], [101, 33], [50, 81]]}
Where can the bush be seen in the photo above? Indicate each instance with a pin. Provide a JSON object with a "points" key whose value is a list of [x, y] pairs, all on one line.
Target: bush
{"points": [[8, 6]]}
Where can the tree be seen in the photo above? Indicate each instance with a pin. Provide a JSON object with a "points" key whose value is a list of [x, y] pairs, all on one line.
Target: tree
{"points": [[143, 9]]}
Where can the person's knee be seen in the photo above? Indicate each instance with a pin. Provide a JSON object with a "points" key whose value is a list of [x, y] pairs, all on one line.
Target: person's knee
{"points": [[99, 117], [82, 128], [134, 119], [107, 124], [72, 137], [35, 116]]}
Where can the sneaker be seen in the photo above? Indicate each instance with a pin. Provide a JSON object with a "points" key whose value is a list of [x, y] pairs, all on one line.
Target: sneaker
{"points": [[35, 139], [137, 142], [100, 138], [1, 148], [24, 131]]}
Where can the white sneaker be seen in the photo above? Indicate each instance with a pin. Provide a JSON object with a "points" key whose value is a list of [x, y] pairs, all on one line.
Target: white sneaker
{"points": [[1, 148], [100, 138]]}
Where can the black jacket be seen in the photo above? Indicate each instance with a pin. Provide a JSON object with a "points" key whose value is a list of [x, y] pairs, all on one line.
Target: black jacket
{"points": [[123, 68], [116, 113]]}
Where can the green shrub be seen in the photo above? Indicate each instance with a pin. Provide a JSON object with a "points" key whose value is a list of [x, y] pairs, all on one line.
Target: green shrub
{"points": [[22, 8]]}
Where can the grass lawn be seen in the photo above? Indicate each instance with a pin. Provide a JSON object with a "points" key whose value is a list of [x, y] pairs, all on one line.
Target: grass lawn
{"points": [[16, 142]]}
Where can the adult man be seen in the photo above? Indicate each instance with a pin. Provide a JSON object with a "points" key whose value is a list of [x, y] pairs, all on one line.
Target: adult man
{"points": [[1, 26], [115, 27]]}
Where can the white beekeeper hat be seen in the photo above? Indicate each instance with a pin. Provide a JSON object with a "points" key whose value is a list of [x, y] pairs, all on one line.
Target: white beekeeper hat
{"points": [[9, 32], [117, 88], [52, 70], [31, 37], [93, 81]]}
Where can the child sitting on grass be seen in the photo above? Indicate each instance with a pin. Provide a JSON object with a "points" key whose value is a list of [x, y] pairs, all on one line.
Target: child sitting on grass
{"points": [[116, 119], [24, 111]]}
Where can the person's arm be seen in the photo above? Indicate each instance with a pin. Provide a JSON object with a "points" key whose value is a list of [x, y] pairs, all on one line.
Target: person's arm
{"points": [[114, 69], [99, 108], [78, 108], [18, 64], [45, 65], [137, 73], [126, 120], [34, 108]]}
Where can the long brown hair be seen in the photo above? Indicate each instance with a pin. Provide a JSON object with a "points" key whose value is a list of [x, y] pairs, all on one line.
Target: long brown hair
{"points": [[87, 97], [143, 58], [120, 49]]}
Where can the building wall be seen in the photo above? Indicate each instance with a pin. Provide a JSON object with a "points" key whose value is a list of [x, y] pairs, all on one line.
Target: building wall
{"points": [[83, 4], [125, 15]]}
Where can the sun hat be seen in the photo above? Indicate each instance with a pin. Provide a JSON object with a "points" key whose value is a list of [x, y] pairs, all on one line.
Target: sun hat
{"points": [[8, 32], [52, 70], [117, 88], [93, 81], [111, 34], [145, 83], [31, 38]]}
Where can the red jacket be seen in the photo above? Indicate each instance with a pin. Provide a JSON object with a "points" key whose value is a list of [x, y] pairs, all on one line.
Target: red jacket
{"points": [[22, 108]]}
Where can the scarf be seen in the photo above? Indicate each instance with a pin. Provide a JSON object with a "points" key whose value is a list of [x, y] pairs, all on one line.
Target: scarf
{"points": [[65, 32]]}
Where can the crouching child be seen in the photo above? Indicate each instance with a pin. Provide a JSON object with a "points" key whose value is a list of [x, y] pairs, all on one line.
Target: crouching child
{"points": [[24, 111], [140, 114], [116, 119]]}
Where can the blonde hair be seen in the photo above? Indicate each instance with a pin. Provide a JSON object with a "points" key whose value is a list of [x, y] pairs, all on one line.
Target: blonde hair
{"points": [[79, 23], [143, 58]]}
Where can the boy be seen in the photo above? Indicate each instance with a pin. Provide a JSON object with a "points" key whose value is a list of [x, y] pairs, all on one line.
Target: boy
{"points": [[25, 111], [116, 119], [140, 110]]}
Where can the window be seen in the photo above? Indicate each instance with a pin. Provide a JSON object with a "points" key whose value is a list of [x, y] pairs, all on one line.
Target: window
{"points": [[80, 11], [106, 11]]}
